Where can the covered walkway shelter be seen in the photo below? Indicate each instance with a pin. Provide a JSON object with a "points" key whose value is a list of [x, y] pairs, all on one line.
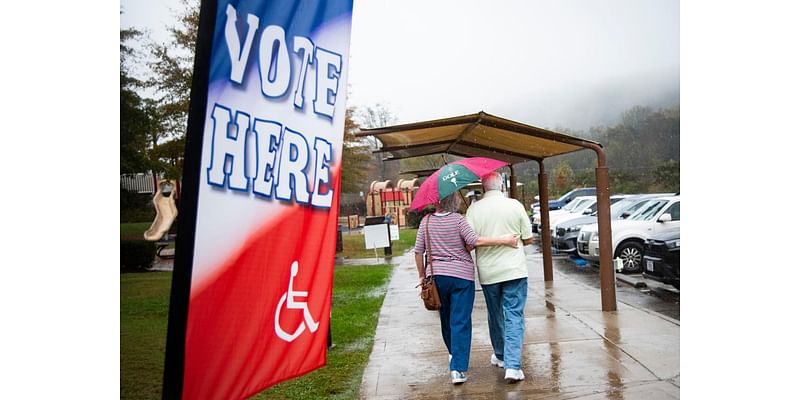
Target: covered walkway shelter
{"points": [[485, 135]]}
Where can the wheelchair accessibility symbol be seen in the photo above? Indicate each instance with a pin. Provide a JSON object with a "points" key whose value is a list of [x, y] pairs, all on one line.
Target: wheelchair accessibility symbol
{"points": [[288, 298]]}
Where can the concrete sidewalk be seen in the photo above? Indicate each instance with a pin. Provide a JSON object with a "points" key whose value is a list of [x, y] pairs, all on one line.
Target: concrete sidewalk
{"points": [[573, 350]]}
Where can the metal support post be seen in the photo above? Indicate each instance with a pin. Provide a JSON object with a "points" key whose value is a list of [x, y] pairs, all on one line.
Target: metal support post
{"points": [[608, 290], [544, 233]]}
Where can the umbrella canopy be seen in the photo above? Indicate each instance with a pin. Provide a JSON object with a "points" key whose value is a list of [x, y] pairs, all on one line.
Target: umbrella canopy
{"points": [[453, 176]]}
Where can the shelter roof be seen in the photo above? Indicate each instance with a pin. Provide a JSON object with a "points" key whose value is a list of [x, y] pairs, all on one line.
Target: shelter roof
{"points": [[421, 173], [475, 135]]}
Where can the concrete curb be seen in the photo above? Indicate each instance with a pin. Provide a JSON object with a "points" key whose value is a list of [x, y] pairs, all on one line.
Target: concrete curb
{"points": [[634, 280]]}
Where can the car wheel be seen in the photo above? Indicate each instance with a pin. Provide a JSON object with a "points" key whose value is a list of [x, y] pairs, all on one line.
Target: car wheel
{"points": [[631, 254]]}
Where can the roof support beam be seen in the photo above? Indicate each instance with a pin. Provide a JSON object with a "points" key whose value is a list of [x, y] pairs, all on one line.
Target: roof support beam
{"points": [[465, 144], [411, 146], [455, 153], [465, 132], [498, 150]]}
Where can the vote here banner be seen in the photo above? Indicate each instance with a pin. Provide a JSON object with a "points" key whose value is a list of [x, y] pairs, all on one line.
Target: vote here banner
{"points": [[251, 295]]}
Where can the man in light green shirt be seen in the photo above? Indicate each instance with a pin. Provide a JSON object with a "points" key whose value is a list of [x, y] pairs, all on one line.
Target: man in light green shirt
{"points": [[503, 273]]}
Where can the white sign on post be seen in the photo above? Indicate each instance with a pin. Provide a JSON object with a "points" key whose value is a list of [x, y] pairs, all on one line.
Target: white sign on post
{"points": [[376, 236], [394, 232]]}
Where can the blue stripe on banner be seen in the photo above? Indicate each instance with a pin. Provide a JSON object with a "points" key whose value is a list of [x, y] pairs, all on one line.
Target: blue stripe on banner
{"points": [[300, 19]]}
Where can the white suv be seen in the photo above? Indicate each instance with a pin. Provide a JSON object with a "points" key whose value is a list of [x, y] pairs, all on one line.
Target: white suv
{"points": [[658, 215]]}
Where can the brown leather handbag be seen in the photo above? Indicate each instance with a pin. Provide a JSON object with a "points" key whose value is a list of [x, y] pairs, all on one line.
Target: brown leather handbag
{"points": [[429, 293]]}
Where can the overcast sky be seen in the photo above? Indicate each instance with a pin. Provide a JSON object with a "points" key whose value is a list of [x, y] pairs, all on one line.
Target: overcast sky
{"points": [[569, 63], [545, 63]]}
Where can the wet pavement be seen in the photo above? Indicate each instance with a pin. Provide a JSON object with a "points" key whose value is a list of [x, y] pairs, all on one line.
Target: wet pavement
{"points": [[573, 350], [632, 289]]}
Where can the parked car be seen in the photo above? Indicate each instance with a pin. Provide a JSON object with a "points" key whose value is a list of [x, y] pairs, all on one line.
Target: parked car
{"points": [[662, 258], [563, 200], [658, 215], [564, 234], [536, 216], [583, 207]]}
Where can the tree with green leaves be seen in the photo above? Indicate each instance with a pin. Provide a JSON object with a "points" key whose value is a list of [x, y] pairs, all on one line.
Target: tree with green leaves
{"points": [[563, 177], [378, 116], [137, 115], [168, 157], [172, 68], [172, 71], [355, 157], [668, 176]]}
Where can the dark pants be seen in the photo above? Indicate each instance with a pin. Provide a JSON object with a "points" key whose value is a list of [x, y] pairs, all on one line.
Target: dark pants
{"points": [[457, 296]]}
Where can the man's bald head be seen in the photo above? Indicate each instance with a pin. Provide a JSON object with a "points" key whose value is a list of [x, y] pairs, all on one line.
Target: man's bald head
{"points": [[491, 181]]}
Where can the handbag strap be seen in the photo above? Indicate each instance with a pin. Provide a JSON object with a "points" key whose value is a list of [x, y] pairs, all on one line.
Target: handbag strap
{"points": [[428, 243]]}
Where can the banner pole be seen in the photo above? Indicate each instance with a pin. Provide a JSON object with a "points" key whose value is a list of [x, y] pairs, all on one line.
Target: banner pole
{"points": [[184, 246]]}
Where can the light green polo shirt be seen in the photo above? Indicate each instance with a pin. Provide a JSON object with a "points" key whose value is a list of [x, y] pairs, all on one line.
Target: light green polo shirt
{"points": [[492, 216]]}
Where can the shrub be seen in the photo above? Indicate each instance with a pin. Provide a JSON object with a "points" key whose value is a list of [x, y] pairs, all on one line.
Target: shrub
{"points": [[136, 254], [136, 207], [413, 218]]}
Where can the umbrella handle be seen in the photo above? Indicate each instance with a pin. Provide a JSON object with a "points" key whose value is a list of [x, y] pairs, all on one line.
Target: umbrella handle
{"points": [[463, 199]]}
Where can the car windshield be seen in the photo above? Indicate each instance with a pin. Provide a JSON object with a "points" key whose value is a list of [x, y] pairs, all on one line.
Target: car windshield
{"points": [[572, 203], [581, 205], [612, 200], [619, 207], [566, 196], [626, 206], [649, 210], [591, 206]]}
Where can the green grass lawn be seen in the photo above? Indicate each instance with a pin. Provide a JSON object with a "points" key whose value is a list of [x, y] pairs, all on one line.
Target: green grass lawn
{"points": [[353, 245], [144, 304], [133, 231], [358, 293]]}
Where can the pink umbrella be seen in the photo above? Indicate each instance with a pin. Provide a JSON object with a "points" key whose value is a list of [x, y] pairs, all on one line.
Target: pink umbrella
{"points": [[453, 176]]}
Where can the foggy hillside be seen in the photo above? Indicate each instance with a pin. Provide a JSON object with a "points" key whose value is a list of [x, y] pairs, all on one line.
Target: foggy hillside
{"points": [[582, 106]]}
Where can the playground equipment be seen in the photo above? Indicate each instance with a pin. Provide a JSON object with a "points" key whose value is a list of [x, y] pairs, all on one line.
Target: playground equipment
{"points": [[385, 198], [166, 212]]}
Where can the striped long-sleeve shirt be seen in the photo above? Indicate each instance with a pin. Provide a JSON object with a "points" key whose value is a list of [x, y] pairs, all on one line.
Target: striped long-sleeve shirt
{"points": [[449, 234]]}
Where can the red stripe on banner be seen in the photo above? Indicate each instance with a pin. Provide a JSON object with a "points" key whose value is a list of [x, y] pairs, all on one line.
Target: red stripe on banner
{"points": [[201, 281], [233, 348]]}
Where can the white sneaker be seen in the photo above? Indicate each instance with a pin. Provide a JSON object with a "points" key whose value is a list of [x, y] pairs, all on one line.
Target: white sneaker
{"points": [[497, 362], [458, 377], [514, 375]]}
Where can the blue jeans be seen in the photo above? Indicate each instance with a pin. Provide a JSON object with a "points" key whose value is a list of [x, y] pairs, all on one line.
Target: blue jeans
{"points": [[505, 303], [457, 296]]}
